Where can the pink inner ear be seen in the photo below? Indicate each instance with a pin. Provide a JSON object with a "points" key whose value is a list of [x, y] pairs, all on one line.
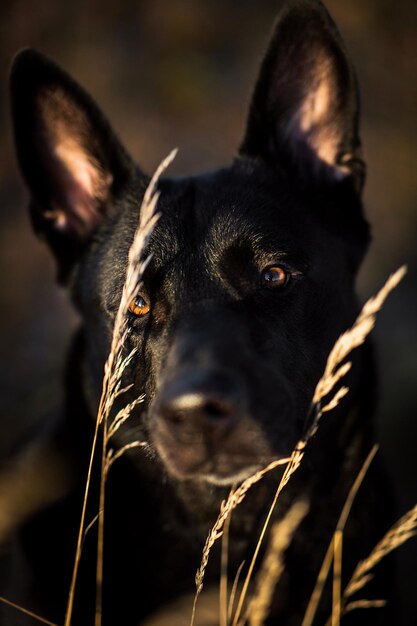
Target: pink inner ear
{"points": [[80, 184], [316, 121], [75, 160], [85, 187]]}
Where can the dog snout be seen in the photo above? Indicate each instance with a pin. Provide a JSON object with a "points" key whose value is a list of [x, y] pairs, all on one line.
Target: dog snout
{"points": [[201, 402], [201, 425]]}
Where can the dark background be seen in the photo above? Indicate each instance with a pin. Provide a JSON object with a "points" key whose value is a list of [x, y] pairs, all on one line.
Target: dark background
{"points": [[179, 73]]}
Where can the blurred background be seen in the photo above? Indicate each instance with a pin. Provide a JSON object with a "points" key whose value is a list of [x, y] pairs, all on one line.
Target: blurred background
{"points": [[179, 73]]}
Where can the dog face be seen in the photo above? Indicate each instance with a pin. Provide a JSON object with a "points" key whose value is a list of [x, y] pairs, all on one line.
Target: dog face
{"points": [[252, 270]]}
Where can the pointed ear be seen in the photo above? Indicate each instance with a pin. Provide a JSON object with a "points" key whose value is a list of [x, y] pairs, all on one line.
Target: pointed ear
{"points": [[304, 111], [72, 162]]}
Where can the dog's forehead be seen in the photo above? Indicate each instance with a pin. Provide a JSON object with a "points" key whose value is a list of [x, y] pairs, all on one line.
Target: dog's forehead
{"points": [[228, 207]]}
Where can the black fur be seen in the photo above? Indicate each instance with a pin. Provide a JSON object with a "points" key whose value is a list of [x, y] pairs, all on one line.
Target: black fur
{"points": [[227, 364]]}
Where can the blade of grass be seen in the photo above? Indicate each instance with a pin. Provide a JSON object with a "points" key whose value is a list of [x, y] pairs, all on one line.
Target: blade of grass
{"points": [[233, 592], [113, 371], [402, 531], [337, 577], [80, 538], [34, 616], [134, 274], [327, 561], [100, 535], [226, 507], [273, 564], [292, 466], [355, 336], [223, 574], [364, 604], [113, 456]]}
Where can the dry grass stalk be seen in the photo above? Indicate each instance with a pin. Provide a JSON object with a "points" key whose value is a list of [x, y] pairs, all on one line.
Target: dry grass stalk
{"points": [[112, 456], [21, 609], [115, 364], [332, 404], [234, 590], [364, 604], [122, 416], [334, 371], [273, 565], [337, 577], [236, 496], [335, 368], [113, 372], [401, 532], [293, 464], [223, 619], [327, 561]]}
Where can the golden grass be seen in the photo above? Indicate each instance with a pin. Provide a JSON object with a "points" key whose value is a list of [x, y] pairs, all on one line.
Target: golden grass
{"points": [[112, 382], [273, 565], [327, 561], [337, 577], [402, 531], [235, 585], [223, 618], [115, 364], [292, 465], [21, 609], [236, 496], [365, 604], [334, 371]]}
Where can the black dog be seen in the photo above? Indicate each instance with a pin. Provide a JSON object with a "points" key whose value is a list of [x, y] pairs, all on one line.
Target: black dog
{"points": [[250, 284]]}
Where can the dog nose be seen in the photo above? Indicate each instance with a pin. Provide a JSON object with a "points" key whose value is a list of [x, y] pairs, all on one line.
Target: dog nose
{"points": [[201, 403], [202, 406]]}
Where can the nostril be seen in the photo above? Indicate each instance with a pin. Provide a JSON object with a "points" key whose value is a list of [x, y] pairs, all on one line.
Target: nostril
{"points": [[217, 409], [174, 416]]}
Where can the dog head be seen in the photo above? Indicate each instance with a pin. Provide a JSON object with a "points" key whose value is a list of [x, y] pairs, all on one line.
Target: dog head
{"points": [[253, 266]]}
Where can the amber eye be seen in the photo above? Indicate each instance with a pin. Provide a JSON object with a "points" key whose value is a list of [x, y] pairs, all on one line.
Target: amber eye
{"points": [[139, 306], [275, 277]]}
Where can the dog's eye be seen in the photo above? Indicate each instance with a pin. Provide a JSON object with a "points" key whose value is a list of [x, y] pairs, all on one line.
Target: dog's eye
{"points": [[275, 277], [139, 306]]}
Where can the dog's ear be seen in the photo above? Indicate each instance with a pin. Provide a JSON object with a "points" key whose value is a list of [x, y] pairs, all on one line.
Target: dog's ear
{"points": [[304, 111], [71, 160]]}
